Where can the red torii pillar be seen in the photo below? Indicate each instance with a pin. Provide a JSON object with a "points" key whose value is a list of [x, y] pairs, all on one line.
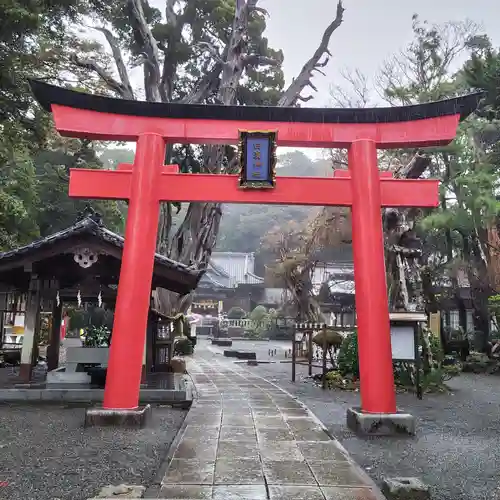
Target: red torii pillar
{"points": [[148, 182]]}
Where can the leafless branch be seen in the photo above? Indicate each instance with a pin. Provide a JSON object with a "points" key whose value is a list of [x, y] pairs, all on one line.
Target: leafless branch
{"points": [[234, 62], [206, 86], [120, 64], [291, 95], [415, 168], [352, 92], [145, 38], [319, 71], [356, 94], [416, 63], [92, 65], [305, 99]]}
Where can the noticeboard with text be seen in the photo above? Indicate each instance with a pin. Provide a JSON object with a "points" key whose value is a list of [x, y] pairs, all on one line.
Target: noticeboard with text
{"points": [[257, 159]]}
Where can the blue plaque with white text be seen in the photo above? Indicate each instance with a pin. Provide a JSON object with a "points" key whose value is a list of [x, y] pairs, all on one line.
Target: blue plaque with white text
{"points": [[257, 159]]}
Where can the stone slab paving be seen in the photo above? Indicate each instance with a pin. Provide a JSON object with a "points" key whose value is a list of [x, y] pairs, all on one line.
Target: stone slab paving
{"points": [[246, 439]]}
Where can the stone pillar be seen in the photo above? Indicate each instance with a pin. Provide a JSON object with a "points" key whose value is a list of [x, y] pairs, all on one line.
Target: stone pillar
{"points": [[145, 358], [151, 337], [55, 337], [4, 298], [31, 327]]}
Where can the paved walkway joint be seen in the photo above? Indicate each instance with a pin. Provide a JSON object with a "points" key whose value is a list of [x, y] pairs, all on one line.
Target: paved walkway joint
{"points": [[245, 439]]}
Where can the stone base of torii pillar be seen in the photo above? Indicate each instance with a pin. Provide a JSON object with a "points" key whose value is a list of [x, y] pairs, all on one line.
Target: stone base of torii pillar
{"points": [[380, 424], [137, 417]]}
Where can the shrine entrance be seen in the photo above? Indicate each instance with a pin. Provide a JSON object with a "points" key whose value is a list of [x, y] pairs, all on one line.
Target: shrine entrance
{"points": [[148, 182]]}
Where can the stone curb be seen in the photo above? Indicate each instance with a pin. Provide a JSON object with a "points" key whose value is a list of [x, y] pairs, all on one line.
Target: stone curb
{"points": [[245, 339], [165, 396]]}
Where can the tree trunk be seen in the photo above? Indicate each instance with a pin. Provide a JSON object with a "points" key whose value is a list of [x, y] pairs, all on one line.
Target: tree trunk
{"points": [[194, 240], [480, 289], [197, 236], [403, 250]]}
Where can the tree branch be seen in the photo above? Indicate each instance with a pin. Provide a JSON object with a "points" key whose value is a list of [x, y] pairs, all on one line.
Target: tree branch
{"points": [[235, 52], [208, 47], [170, 12], [292, 94], [206, 86], [256, 60], [146, 40], [415, 168], [176, 23], [261, 10], [305, 99], [112, 83], [120, 64]]}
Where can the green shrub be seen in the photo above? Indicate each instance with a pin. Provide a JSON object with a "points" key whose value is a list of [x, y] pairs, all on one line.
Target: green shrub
{"points": [[436, 348], [236, 313], [90, 317], [97, 336], [333, 339], [404, 373], [261, 321], [334, 376], [347, 361], [183, 347], [259, 314], [434, 380]]}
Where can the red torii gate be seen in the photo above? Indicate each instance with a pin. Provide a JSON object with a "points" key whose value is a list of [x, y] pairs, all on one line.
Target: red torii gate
{"points": [[148, 182]]}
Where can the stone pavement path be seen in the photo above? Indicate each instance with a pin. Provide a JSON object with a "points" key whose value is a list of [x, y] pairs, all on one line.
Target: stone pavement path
{"points": [[245, 439]]}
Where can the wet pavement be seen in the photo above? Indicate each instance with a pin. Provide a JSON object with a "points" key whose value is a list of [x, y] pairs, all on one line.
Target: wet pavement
{"points": [[245, 439]]}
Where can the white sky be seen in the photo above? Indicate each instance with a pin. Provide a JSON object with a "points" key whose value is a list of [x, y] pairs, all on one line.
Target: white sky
{"points": [[371, 32]]}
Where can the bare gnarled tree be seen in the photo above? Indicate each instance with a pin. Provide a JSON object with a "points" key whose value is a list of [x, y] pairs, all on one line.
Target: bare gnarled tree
{"points": [[230, 59]]}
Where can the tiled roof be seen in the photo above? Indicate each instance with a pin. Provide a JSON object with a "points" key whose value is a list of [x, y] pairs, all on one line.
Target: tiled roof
{"points": [[238, 265], [230, 269], [88, 226]]}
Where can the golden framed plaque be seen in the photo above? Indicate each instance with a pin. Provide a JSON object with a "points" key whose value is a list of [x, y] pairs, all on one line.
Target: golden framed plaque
{"points": [[257, 151]]}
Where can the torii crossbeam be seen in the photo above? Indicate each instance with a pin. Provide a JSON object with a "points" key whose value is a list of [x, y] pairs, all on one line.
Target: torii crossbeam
{"points": [[148, 182]]}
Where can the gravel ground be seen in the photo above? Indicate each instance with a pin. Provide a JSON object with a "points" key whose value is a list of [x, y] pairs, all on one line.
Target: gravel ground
{"points": [[456, 450], [46, 454]]}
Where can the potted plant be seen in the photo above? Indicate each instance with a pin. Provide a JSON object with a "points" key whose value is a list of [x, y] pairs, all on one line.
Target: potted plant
{"points": [[97, 337]]}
